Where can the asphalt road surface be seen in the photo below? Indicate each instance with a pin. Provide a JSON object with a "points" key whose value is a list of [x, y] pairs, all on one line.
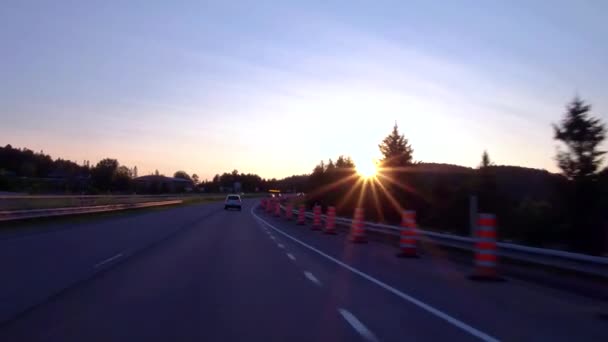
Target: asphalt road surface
{"points": [[200, 273]]}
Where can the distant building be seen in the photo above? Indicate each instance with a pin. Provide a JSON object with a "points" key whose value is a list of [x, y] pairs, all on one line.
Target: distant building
{"points": [[162, 184]]}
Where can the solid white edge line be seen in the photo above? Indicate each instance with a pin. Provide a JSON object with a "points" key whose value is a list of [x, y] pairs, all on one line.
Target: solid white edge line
{"points": [[290, 256], [312, 278], [455, 322], [101, 263], [357, 325]]}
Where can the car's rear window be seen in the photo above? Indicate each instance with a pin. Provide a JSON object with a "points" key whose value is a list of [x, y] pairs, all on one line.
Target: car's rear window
{"points": [[233, 198]]}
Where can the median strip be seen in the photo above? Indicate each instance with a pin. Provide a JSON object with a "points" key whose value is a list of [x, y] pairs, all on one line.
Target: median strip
{"points": [[13, 215]]}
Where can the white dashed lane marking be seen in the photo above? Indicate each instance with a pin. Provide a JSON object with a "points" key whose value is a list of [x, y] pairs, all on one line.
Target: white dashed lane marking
{"points": [[406, 297], [357, 325], [108, 260], [312, 278], [290, 256]]}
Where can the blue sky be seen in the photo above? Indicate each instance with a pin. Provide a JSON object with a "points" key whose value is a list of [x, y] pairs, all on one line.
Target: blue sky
{"points": [[273, 87]]}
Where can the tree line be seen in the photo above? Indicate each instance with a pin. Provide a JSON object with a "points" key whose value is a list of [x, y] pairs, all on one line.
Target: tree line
{"points": [[536, 207], [566, 210]]}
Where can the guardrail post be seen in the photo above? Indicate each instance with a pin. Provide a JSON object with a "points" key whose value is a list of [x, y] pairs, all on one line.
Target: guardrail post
{"points": [[485, 249], [408, 236]]}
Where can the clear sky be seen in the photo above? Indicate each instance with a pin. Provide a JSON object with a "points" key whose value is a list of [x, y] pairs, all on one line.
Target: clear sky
{"points": [[274, 87]]}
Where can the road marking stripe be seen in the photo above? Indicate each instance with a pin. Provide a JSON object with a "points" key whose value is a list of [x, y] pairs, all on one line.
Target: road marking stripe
{"points": [[281, 246], [290, 256], [455, 322], [99, 264], [312, 278], [357, 325]]}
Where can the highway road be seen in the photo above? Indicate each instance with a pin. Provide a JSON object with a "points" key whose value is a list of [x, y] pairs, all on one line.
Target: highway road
{"points": [[200, 273]]}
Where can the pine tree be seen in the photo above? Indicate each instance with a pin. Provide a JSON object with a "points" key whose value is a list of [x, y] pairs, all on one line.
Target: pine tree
{"points": [[582, 136], [485, 160], [396, 150]]}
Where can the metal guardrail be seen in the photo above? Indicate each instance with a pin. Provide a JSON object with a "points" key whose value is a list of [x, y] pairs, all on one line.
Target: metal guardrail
{"points": [[577, 262], [11, 215]]}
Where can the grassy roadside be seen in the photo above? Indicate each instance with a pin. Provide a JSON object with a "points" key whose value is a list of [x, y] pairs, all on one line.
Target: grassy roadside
{"points": [[42, 222], [48, 202]]}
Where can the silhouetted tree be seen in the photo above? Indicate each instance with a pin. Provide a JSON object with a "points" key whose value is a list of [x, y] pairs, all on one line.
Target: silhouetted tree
{"points": [[582, 135], [195, 179], [396, 150], [345, 163], [486, 185], [104, 173], [182, 175], [123, 179], [134, 171], [485, 160]]}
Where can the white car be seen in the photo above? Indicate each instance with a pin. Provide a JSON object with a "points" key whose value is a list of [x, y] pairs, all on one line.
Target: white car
{"points": [[232, 201]]}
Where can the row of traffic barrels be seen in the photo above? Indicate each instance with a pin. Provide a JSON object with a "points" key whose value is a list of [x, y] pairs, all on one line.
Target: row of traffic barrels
{"points": [[485, 256]]}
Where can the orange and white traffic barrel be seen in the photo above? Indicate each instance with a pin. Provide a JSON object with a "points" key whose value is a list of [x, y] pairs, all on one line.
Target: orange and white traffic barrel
{"points": [[408, 236], [302, 215], [277, 209], [269, 205], [316, 218], [357, 231], [289, 211], [485, 249], [330, 221]]}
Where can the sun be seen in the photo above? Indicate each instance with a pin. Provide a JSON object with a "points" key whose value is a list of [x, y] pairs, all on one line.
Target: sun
{"points": [[367, 170]]}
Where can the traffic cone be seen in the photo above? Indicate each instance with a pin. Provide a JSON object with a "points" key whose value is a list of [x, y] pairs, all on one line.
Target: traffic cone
{"points": [[357, 232], [263, 203], [485, 249], [277, 209], [407, 239], [302, 215], [289, 211], [330, 221], [316, 218], [269, 206]]}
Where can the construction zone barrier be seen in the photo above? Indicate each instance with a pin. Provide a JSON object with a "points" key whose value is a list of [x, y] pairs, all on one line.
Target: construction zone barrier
{"points": [[289, 211], [357, 231], [316, 218], [269, 206], [330, 221], [277, 209], [302, 215], [408, 236], [485, 249], [579, 263]]}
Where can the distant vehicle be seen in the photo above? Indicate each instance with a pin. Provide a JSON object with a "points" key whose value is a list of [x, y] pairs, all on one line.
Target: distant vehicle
{"points": [[232, 201]]}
